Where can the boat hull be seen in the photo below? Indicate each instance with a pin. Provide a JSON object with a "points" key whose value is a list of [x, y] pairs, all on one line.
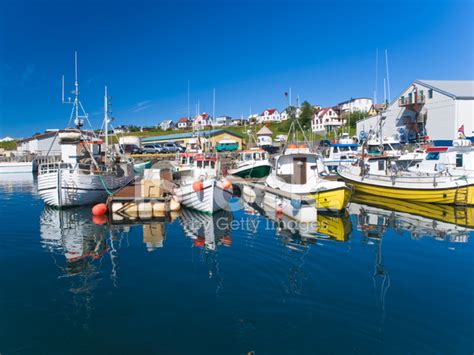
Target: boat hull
{"points": [[63, 188], [212, 198], [452, 195], [253, 172]]}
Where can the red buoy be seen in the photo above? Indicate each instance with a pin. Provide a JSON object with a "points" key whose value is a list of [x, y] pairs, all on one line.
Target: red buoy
{"points": [[99, 210], [99, 219], [279, 211], [198, 186]]}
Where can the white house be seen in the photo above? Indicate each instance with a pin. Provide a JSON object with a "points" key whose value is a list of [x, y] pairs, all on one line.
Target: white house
{"points": [[166, 125], [433, 108], [361, 104], [326, 120], [269, 115], [284, 114], [222, 121], [202, 121], [43, 144], [121, 129], [184, 123]]}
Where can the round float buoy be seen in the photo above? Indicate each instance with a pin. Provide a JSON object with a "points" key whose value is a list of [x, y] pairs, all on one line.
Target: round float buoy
{"points": [[279, 211], [99, 210], [226, 184], [198, 186], [102, 219]]}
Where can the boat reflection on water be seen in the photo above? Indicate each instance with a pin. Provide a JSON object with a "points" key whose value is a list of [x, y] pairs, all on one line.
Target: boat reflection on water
{"points": [[77, 247], [441, 222], [207, 230], [328, 226], [71, 233]]}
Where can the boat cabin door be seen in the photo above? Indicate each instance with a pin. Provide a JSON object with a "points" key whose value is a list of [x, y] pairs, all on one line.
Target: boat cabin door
{"points": [[299, 170]]}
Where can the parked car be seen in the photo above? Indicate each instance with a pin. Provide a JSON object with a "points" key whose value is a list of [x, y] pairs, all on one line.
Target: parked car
{"points": [[131, 149], [152, 149], [172, 148]]}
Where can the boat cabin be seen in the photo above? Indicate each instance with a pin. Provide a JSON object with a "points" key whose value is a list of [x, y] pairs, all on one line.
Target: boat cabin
{"points": [[298, 165], [343, 151], [389, 147], [77, 149], [252, 155], [456, 159]]}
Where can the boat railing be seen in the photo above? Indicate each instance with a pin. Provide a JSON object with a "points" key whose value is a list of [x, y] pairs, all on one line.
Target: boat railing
{"points": [[85, 169]]}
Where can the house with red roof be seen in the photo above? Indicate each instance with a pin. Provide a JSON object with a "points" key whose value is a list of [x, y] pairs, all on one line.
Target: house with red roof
{"points": [[184, 123], [203, 120], [326, 120], [269, 115]]}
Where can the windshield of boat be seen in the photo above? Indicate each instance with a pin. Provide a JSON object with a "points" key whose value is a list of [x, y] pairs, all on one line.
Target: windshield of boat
{"points": [[392, 146], [373, 149], [432, 156]]}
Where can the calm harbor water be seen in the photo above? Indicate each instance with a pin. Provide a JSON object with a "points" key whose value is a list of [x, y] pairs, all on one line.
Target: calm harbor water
{"points": [[377, 280]]}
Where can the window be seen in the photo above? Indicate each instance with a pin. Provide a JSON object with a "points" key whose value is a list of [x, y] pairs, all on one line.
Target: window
{"points": [[432, 156], [430, 93], [459, 160], [381, 164]]}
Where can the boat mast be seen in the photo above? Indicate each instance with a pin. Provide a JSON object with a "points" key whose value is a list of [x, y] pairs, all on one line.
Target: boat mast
{"points": [[77, 122], [77, 105], [106, 122]]}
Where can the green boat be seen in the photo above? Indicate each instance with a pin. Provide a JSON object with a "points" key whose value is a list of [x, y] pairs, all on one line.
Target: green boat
{"points": [[252, 163], [140, 167]]}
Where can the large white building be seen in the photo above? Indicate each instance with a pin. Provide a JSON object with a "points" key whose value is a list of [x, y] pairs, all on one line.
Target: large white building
{"points": [[40, 144], [361, 104], [433, 108]]}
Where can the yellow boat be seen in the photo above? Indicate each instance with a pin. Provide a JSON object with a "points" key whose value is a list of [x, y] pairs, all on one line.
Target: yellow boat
{"points": [[333, 200], [459, 215], [376, 178]]}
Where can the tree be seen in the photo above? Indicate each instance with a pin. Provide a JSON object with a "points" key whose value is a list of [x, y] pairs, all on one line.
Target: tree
{"points": [[354, 117], [306, 115]]}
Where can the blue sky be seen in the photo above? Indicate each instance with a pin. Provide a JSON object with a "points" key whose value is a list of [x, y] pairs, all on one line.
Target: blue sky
{"points": [[251, 52]]}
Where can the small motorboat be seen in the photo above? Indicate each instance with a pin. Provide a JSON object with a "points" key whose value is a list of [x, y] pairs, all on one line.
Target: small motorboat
{"points": [[252, 163]]}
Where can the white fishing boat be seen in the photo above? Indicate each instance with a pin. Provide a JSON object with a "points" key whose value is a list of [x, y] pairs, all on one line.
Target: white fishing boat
{"points": [[86, 174], [295, 180], [252, 163], [199, 187], [297, 171]]}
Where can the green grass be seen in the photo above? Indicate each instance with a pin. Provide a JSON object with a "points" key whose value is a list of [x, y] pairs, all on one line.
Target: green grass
{"points": [[8, 145]]}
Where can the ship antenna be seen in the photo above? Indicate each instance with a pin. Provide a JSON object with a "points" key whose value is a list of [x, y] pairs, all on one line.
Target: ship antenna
{"points": [[76, 94]]}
